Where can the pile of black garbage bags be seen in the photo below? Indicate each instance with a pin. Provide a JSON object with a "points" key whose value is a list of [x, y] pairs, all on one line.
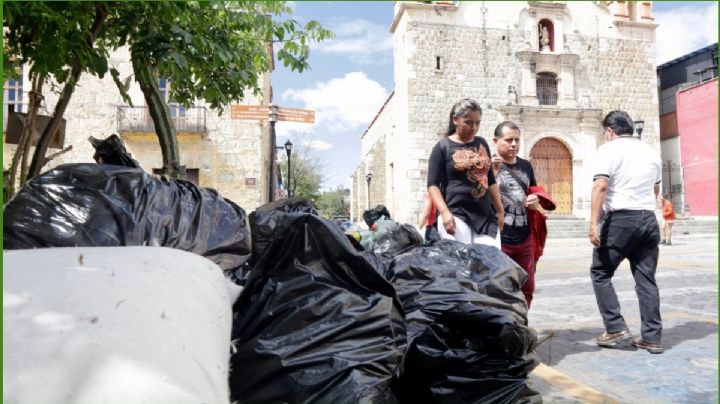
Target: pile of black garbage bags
{"points": [[319, 320]]}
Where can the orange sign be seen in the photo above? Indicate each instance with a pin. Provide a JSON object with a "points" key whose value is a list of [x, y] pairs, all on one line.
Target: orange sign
{"points": [[250, 112], [262, 113], [296, 115]]}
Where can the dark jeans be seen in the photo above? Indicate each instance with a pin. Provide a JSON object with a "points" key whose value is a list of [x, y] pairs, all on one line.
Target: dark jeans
{"points": [[631, 234]]}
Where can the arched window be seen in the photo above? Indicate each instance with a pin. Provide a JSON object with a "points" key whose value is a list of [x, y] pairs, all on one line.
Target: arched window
{"points": [[547, 88]]}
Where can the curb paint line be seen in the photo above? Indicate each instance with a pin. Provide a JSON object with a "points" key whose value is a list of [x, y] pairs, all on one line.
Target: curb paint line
{"points": [[571, 386]]}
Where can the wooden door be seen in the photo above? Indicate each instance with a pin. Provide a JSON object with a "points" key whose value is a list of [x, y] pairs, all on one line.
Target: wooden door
{"points": [[552, 164]]}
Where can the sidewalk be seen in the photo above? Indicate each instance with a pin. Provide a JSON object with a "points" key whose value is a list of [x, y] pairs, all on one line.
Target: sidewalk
{"points": [[574, 369]]}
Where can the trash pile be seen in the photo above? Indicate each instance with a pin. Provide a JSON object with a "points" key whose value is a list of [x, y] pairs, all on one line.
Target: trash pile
{"points": [[321, 317], [97, 205]]}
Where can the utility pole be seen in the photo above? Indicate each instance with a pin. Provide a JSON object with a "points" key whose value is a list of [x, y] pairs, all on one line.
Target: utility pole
{"points": [[272, 153]]}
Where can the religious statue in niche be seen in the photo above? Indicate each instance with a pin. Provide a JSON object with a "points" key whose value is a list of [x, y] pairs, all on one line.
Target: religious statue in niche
{"points": [[544, 38]]}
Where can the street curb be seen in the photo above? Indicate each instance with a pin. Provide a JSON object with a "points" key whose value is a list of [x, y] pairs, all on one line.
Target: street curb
{"points": [[571, 386]]}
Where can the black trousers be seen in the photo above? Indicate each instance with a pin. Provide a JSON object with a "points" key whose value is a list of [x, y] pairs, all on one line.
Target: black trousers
{"points": [[631, 234]]}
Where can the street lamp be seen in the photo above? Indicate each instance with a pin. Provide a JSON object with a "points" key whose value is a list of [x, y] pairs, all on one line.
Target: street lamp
{"points": [[368, 178], [288, 151], [639, 126]]}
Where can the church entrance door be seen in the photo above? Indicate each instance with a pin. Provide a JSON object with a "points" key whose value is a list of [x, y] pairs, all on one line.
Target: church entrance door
{"points": [[552, 164]]}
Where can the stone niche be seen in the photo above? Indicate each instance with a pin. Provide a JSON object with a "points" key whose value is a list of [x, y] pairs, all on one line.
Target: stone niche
{"points": [[547, 67]]}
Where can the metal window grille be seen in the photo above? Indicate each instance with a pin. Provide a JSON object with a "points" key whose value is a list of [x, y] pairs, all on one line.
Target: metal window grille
{"points": [[176, 111], [547, 88], [14, 94]]}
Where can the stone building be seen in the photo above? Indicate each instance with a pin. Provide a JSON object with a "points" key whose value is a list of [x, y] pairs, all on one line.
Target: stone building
{"points": [[555, 68], [218, 152]]}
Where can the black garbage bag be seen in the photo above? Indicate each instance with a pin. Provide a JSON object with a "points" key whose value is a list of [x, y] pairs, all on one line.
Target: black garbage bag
{"points": [[107, 205], [372, 215], [316, 322], [112, 151], [392, 238], [468, 339], [263, 228]]}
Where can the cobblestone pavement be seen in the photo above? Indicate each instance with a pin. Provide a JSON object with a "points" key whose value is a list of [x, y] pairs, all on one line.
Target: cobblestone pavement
{"points": [[564, 312]]}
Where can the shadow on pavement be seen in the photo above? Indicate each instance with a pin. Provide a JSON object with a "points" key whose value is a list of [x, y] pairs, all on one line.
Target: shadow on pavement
{"points": [[566, 342], [687, 331]]}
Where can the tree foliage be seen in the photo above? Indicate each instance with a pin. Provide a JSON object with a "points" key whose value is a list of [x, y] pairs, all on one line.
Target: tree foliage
{"points": [[210, 50], [214, 51], [50, 37], [334, 203], [58, 40]]}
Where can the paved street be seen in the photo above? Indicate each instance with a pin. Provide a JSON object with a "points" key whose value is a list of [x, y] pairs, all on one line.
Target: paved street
{"points": [[574, 369]]}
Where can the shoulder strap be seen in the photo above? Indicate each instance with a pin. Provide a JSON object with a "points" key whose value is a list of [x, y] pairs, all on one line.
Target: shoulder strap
{"points": [[515, 177]]}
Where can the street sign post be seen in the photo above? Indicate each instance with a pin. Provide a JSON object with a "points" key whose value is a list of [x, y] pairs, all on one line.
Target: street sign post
{"points": [[271, 113], [250, 112], [295, 115]]}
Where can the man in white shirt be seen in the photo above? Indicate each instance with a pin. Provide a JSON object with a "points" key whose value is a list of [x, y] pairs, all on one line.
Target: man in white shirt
{"points": [[626, 182]]}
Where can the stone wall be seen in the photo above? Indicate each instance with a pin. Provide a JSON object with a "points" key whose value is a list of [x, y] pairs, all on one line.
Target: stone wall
{"points": [[375, 160], [476, 50], [232, 156]]}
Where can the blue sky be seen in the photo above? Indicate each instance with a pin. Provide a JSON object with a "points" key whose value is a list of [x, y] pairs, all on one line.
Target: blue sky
{"points": [[352, 75]]}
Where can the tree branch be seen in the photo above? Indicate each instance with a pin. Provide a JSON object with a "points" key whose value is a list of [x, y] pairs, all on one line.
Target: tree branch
{"points": [[54, 155]]}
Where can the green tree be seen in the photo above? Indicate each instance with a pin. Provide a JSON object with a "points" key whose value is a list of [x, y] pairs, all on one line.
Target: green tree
{"points": [[210, 50], [334, 203], [213, 51], [58, 40]]}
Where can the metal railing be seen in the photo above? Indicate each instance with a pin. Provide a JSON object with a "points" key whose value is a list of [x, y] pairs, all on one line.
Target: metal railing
{"points": [[138, 119]]}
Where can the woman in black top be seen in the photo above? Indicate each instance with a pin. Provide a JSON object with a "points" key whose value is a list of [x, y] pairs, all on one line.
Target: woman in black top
{"points": [[461, 182]]}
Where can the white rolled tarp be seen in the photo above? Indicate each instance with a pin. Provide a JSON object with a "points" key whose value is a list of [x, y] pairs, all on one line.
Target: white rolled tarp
{"points": [[115, 325]]}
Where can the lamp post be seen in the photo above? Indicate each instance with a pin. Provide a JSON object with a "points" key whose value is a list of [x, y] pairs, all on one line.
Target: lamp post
{"points": [[368, 178], [288, 151], [639, 126]]}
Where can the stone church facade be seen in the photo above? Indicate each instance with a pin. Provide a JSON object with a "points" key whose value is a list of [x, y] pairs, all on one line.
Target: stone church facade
{"points": [[218, 152], [554, 68]]}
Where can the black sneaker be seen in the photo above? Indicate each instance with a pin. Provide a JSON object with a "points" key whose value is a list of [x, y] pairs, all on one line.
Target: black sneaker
{"points": [[663, 242]]}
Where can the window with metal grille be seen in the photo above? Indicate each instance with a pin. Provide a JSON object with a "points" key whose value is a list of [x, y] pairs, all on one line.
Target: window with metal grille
{"points": [[547, 88], [176, 110], [14, 93]]}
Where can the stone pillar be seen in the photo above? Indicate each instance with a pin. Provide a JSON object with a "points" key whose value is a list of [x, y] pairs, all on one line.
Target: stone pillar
{"points": [[528, 89], [582, 172], [580, 195], [566, 86]]}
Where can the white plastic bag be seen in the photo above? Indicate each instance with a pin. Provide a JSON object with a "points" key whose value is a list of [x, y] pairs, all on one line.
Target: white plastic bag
{"points": [[115, 325]]}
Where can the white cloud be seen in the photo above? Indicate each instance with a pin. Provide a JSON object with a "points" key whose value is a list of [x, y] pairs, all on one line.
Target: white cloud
{"points": [[318, 145], [341, 105], [361, 41], [685, 29]]}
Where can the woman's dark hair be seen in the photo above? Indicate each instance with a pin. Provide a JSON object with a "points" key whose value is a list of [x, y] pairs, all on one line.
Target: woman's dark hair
{"points": [[461, 108], [620, 122], [505, 124]]}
